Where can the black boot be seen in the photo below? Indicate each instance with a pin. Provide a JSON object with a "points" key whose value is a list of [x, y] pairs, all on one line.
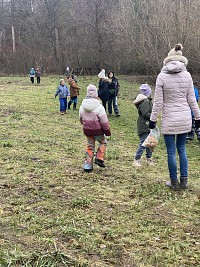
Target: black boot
{"points": [[198, 134], [174, 185], [183, 182], [190, 136], [100, 163], [74, 107]]}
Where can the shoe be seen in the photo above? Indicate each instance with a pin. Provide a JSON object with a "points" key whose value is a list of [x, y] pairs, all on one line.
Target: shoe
{"points": [[149, 162], [100, 163], [117, 115], [87, 167], [183, 182], [174, 185], [61, 113], [136, 163]]}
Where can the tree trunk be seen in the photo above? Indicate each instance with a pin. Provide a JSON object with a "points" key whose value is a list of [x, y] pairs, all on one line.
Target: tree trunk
{"points": [[13, 39]]}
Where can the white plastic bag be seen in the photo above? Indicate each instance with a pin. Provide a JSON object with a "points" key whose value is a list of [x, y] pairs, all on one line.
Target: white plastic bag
{"points": [[152, 139]]}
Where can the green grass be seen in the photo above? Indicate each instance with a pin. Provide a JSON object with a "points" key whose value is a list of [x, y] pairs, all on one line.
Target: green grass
{"points": [[54, 214]]}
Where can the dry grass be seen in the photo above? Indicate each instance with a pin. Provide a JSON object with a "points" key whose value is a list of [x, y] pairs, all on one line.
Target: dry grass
{"points": [[54, 214]]}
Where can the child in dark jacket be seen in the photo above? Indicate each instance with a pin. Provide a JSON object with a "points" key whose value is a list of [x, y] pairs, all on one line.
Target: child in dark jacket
{"points": [[144, 105], [38, 75], [103, 91], [113, 92], [95, 127], [63, 93]]}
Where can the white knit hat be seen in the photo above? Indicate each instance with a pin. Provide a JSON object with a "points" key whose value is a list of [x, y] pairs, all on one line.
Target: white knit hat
{"points": [[175, 54], [102, 74], [92, 91]]}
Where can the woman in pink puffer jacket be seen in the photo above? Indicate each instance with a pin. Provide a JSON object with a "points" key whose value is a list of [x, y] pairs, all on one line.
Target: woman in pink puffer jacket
{"points": [[174, 97]]}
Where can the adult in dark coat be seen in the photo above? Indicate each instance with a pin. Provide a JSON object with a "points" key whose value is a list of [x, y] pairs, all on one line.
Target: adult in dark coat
{"points": [[103, 91]]}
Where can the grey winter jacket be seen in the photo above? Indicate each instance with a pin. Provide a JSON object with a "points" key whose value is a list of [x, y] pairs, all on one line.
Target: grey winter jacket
{"points": [[62, 91], [174, 96]]}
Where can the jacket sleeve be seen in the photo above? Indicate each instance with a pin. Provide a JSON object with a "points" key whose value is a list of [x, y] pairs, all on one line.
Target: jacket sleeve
{"points": [[57, 92], [192, 101], [158, 100], [80, 115], [103, 119], [145, 109]]}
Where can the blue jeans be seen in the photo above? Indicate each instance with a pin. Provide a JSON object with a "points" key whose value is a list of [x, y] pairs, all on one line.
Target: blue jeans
{"points": [[113, 102], [73, 99], [141, 148], [172, 142], [63, 104]]}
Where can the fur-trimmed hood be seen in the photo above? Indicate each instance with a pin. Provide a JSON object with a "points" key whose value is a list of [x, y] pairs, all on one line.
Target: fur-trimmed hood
{"points": [[139, 99], [176, 58]]}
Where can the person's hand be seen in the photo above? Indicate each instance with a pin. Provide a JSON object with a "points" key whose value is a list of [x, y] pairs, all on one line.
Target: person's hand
{"points": [[197, 124], [152, 124]]}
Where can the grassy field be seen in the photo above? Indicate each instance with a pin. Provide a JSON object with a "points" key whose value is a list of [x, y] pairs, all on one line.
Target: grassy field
{"points": [[54, 214]]}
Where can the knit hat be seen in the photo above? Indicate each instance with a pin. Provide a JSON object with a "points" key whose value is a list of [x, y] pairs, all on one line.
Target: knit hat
{"points": [[175, 54], [145, 89], [92, 91], [102, 74]]}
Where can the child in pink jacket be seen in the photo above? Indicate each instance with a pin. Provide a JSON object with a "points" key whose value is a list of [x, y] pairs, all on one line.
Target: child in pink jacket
{"points": [[95, 127]]}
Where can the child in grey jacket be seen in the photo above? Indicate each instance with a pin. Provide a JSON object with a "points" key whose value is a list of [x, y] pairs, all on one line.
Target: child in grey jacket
{"points": [[63, 93]]}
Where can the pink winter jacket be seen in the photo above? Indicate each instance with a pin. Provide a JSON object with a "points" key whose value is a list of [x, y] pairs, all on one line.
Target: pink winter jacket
{"points": [[174, 97], [93, 117]]}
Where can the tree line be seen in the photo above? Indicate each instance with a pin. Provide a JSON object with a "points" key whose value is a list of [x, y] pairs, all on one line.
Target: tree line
{"points": [[128, 36]]}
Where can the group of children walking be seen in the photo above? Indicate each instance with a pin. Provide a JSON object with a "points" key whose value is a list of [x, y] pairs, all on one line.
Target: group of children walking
{"points": [[35, 73], [72, 93]]}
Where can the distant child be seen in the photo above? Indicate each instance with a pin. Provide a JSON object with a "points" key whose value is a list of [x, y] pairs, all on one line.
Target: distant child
{"points": [[67, 72], [38, 75], [190, 135], [144, 105], [74, 92], [95, 127], [32, 75], [113, 92], [63, 93]]}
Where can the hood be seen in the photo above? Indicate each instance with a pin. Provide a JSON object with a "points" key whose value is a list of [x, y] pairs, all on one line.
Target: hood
{"points": [[173, 67], [176, 58], [89, 104], [139, 99]]}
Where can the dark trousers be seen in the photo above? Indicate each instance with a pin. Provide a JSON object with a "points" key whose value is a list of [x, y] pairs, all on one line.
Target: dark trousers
{"points": [[74, 100], [38, 80], [32, 79], [63, 104], [104, 102]]}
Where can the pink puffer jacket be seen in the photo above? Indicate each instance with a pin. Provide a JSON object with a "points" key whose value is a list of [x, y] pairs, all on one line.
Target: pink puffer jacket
{"points": [[174, 97]]}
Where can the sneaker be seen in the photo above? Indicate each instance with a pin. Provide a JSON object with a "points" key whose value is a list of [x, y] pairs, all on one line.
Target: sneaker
{"points": [[149, 162], [136, 163], [62, 113], [117, 114], [100, 163]]}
